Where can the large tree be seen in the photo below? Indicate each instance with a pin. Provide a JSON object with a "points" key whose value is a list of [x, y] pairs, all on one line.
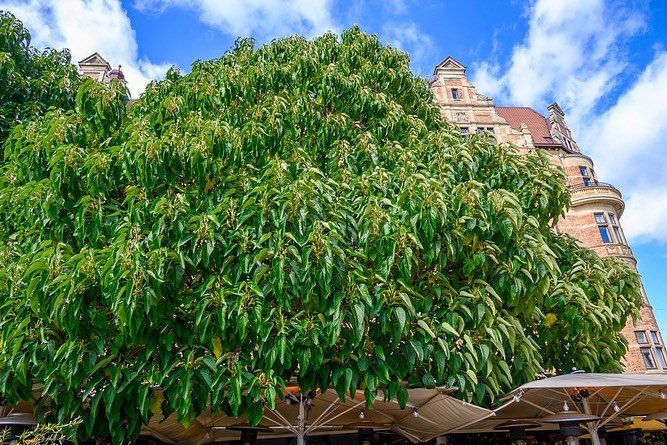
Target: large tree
{"points": [[297, 211], [31, 81]]}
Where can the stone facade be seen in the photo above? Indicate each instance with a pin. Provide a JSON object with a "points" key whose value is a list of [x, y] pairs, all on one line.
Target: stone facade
{"points": [[594, 218]]}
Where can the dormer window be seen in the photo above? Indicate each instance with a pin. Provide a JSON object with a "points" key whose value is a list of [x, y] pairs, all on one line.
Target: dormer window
{"points": [[455, 94]]}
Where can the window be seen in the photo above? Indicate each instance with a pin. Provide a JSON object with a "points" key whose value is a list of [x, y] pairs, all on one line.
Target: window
{"points": [[455, 94], [661, 357], [655, 338], [618, 233], [604, 234], [585, 175], [603, 220], [464, 131], [641, 337], [649, 361]]}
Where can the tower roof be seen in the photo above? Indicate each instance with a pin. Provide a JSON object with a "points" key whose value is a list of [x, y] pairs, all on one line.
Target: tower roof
{"points": [[537, 124], [116, 74]]}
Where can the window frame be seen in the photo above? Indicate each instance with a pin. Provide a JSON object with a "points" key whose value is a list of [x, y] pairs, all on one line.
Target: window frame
{"points": [[456, 94], [609, 228], [655, 338], [640, 342], [605, 235], [648, 353], [586, 175], [660, 354]]}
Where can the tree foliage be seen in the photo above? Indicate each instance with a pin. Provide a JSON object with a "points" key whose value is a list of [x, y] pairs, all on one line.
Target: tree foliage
{"points": [[32, 81], [297, 211]]}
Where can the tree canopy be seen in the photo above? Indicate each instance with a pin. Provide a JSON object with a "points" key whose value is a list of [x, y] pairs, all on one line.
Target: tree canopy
{"points": [[298, 211], [32, 81]]}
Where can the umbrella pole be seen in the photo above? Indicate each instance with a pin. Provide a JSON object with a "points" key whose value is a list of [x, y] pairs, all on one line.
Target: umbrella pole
{"points": [[595, 438], [301, 427], [592, 426]]}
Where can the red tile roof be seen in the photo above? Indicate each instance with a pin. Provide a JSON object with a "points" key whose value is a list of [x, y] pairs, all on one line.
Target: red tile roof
{"points": [[538, 125]]}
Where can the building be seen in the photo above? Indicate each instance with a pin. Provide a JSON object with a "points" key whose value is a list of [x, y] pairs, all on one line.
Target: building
{"points": [[94, 66], [597, 207]]}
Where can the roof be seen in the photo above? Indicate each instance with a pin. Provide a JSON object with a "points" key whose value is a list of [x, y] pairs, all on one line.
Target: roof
{"points": [[538, 125], [450, 64], [95, 59], [116, 74]]}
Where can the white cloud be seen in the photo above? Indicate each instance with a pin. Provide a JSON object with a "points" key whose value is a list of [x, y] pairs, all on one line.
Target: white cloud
{"points": [[571, 53], [258, 18], [408, 37], [627, 143], [85, 27], [646, 213], [575, 53], [634, 129], [396, 6]]}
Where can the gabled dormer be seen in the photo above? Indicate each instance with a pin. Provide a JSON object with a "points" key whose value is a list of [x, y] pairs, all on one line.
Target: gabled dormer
{"points": [[450, 68], [95, 66]]}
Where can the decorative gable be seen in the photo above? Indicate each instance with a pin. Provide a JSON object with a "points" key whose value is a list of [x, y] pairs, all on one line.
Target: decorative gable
{"points": [[94, 60], [449, 64]]}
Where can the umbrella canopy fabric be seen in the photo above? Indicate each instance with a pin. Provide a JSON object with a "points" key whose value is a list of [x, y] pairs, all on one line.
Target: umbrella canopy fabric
{"points": [[604, 395], [429, 413], [607, 396]]}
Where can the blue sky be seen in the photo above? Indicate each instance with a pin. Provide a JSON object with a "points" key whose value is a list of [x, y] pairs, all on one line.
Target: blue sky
{"points": [[604, 61]]}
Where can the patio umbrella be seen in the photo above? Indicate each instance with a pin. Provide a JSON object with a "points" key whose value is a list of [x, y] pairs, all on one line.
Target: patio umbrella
{"points": [[429, 413], [605, 396]]}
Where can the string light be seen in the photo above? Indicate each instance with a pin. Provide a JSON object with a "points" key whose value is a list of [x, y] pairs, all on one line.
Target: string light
{"points": [[663, 396], [362, 415], [415, 414], [616, 407], [565, 406], [517, 398]]}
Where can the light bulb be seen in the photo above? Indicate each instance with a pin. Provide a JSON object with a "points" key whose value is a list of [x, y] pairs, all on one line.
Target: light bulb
{"points": [[565, 406], [663, 396], [415, 413], [362, 415], [616, 407], [517, 398]]}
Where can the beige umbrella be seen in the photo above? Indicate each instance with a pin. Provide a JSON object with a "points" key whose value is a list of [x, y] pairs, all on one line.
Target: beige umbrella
{"points": [[602, 396], [429, 413]]}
